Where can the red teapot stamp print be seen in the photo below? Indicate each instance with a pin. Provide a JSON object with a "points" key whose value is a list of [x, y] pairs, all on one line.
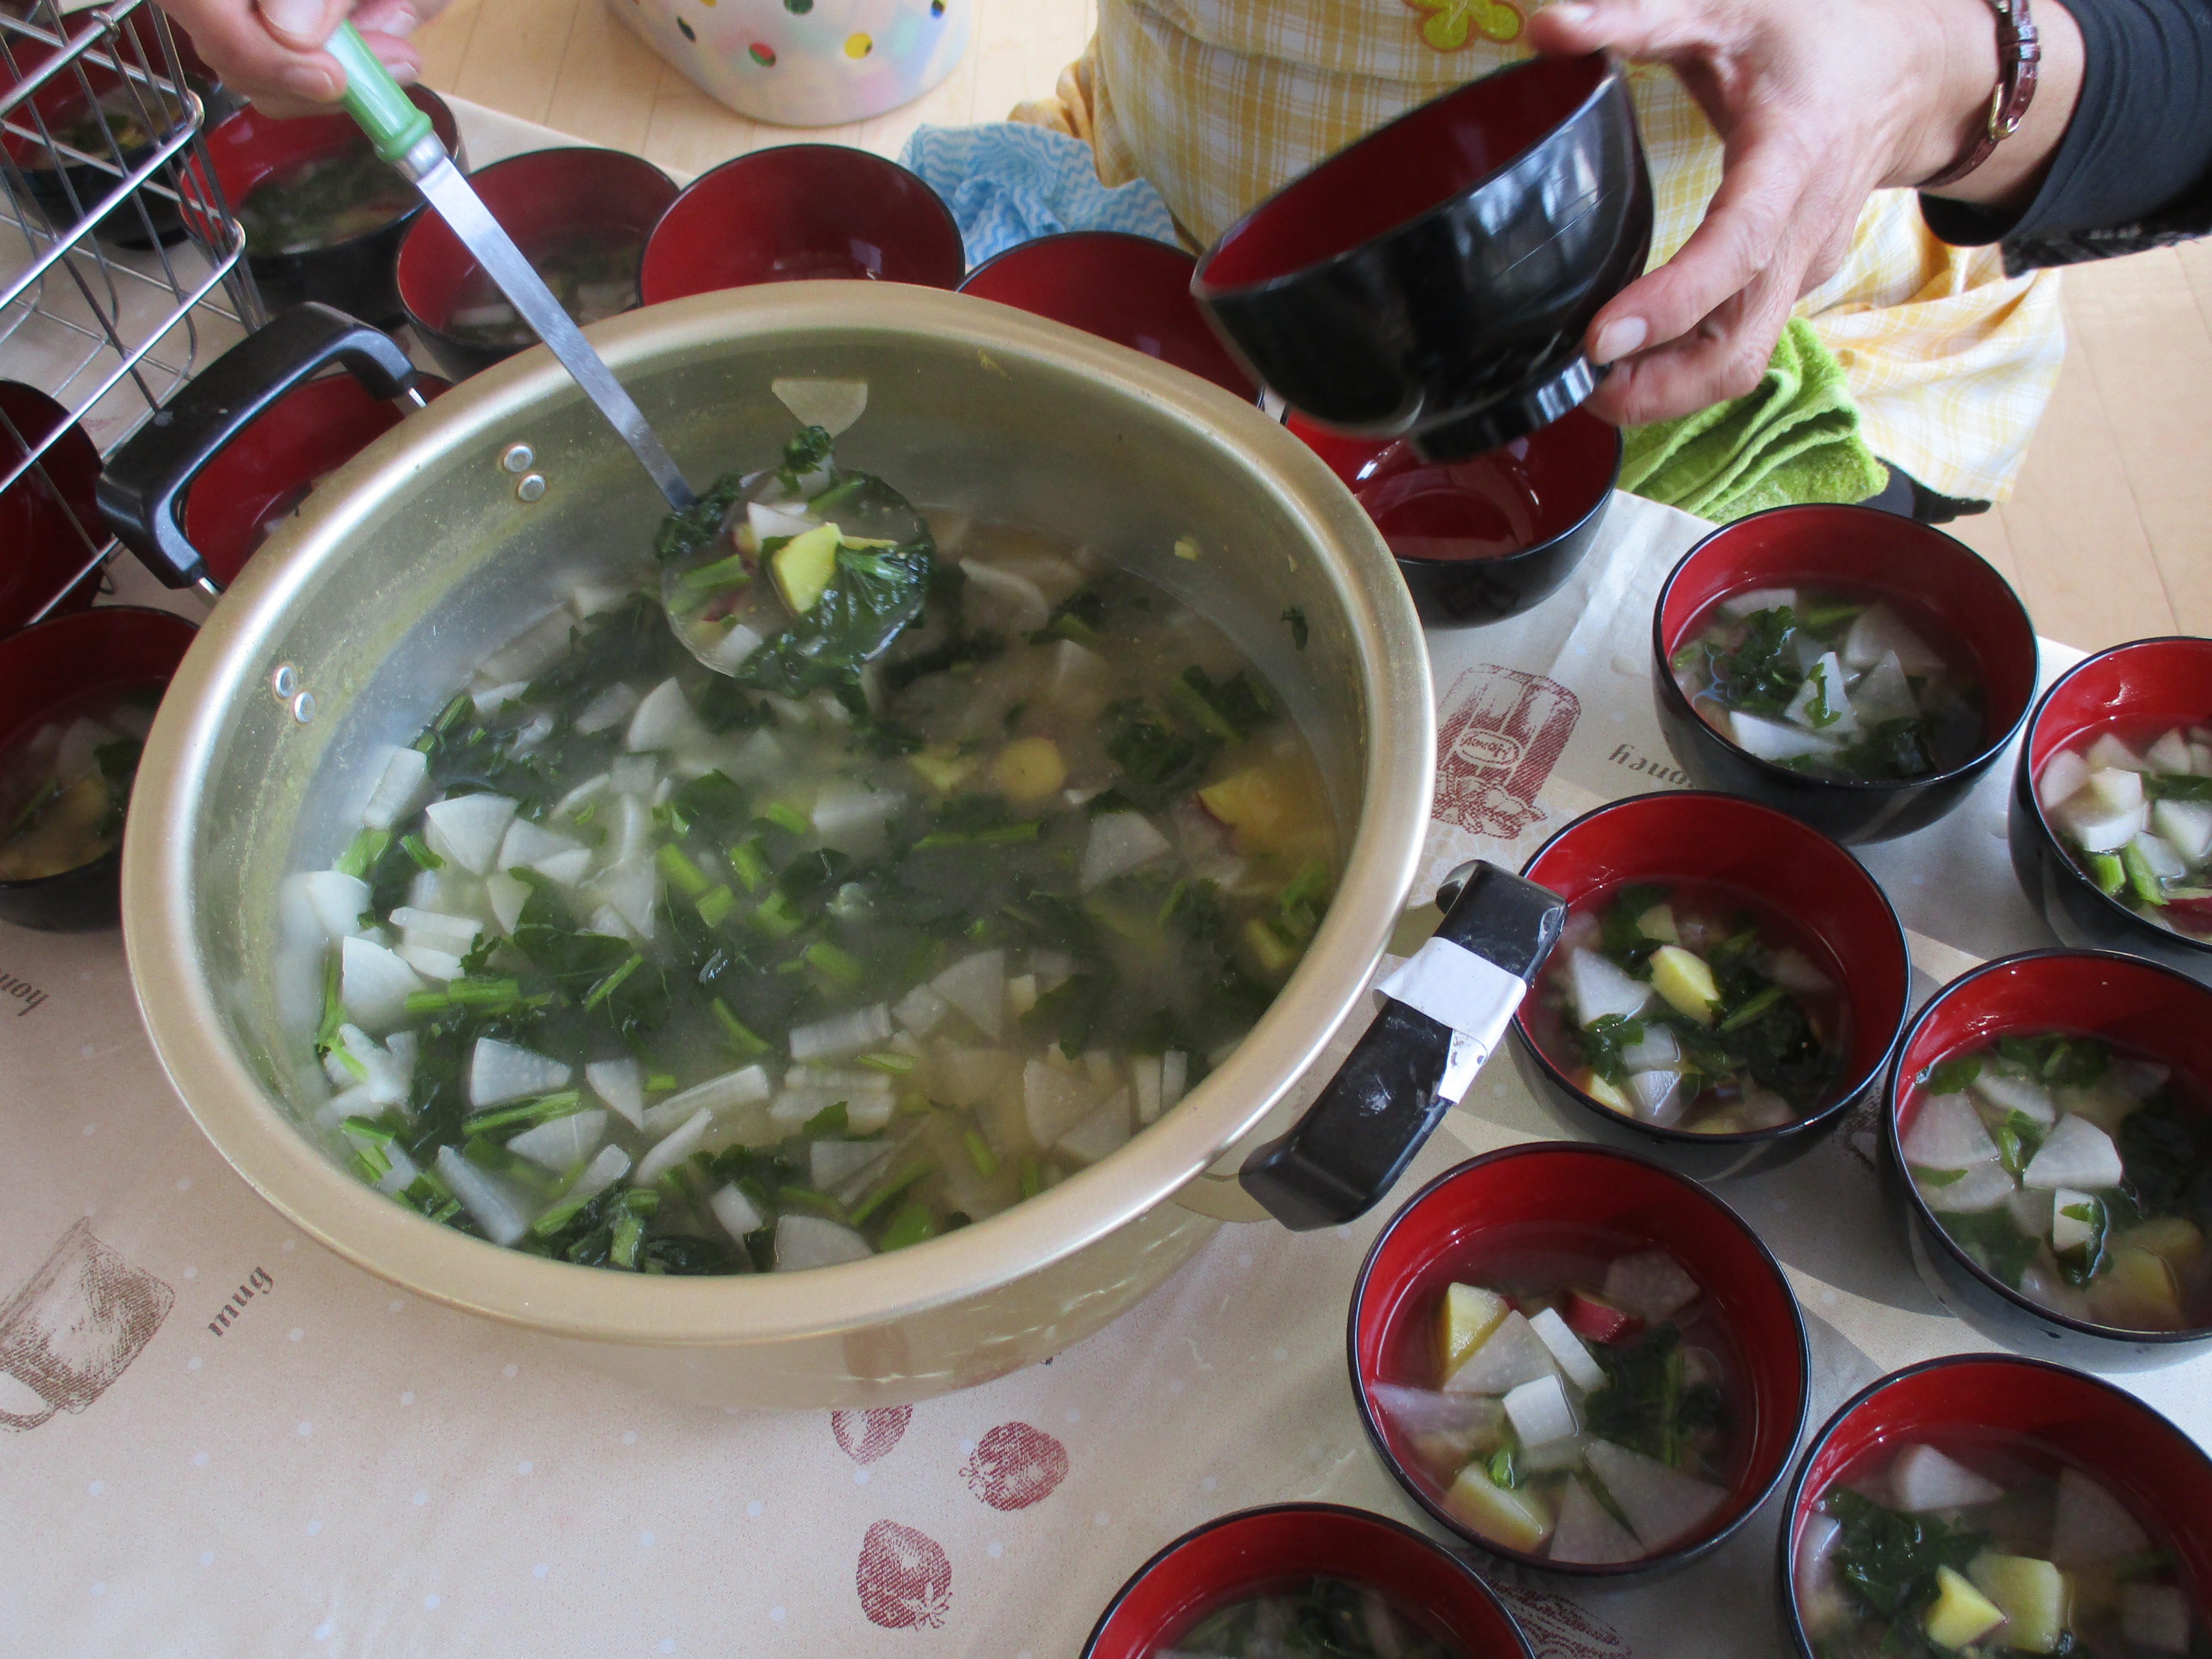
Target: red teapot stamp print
{"points": [[1502, 731]]}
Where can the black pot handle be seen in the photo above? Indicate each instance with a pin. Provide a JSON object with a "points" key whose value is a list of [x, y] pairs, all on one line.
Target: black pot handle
{"points": [[142, 492], [1417, 1057]]}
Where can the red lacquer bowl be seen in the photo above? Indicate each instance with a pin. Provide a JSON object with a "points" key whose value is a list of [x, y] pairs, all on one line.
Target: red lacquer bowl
{"points": [[1446, 1233], [800, 211], [1133, 290], [268, 469], [1490, 536], [1692, 836], [539, 198], [47, 512], [2130, 1002], [1253, 1551], [2156, 1470], [2166, 680], [51, 664], [1789, 546]]}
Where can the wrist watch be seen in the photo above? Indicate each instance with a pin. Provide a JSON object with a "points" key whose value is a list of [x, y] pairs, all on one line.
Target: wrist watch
{"points": [[2020, 49]]}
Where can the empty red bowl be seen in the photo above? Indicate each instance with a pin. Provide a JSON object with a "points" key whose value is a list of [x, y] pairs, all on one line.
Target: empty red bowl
{"points": [[50, 520], [53, 663], [1490, 536], [355, 275], [1133, 290], [1549, 1195], [556, 203], [1850, 546], [1257, 1551], [2124, 999], [1689, 836], [2145, 681], [262, 475], [800, 211], [2155, 1469]]}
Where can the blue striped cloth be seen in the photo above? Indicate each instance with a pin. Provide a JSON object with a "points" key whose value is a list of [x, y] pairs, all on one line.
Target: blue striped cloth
{"points": [[1007, 182]]}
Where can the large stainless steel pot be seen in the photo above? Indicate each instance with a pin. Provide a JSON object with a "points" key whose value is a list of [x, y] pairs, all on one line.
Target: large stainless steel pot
{"points": [[420, 554]]}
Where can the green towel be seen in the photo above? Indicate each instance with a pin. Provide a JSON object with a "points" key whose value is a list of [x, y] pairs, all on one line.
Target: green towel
{"points": [[1795, 439]]}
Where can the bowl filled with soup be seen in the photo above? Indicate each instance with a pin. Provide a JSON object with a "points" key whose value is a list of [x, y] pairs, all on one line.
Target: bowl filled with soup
{"points": [[324, 217], [2111, 821], [1583, 1363], [1847, 665], [1317, 1579], [2050, 1130], [1989, 1504], [77, 697], [579, 216], [840, 1021], [80, 132], [1729, 983]]}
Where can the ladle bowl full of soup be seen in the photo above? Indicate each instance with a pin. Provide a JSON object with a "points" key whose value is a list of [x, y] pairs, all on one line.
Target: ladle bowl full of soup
{"points": [[853, 1014]]}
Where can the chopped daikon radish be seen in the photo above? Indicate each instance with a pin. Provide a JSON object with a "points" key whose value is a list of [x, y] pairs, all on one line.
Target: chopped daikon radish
{"points": [[1567, 1350], [1650, 1283], [1511, 1355], [611, 707], [398, 791], [633, 775], [1119, 842], [2091, 1524], [738, 1214], [490, 698], [1053, 1100], [565, 869], [2109, 751], [2155, 1616], [1174, 1072], [1540, 1412], [1884, 694], [2074, 1217], [1586, 1534], [1599, 988], [337, 902], [430, 963], [2077, 1154], [769, 519], [374, 984], [808, 1241], [738, 643], [1657, 1096], [563, 1143], [1923, 1478], [1100, 1132], [832, 405], [1976, 1188], [830, 1164], [436, 929], [1752, 600], [2160, 858], [526, 844], [663, 721], [500, 1072], [1822, 703], [1775, 740], [2063, 774], [842, 807], [467, 829], [2095, 827], [2170, 753], [2115, 788], [632, 888], [483, 1195], [1144, 1077], [621, 1084], [1470, 1422], [2011, 1093], [2032, 1212], [1660, 1051], [358, 1058], [976, 986], [747, 1086], [1947, 1133], [507, 895], [841, 1036], [1877, 631], [672, 1149], [401, 1176], [921, 1010], [532, 651], [1010, 604], [1663, 1506], [2187, 825]]}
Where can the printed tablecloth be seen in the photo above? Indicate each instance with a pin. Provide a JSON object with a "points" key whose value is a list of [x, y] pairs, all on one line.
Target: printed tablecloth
{"points": [[226, 1442]]}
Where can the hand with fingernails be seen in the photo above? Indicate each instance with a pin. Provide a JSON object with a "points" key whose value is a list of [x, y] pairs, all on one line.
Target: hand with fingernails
{"points": [[270, 50], [1817, 103]]}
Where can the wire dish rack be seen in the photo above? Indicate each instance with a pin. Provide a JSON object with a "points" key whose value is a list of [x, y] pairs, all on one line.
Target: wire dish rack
{"points": [[121, 266]]}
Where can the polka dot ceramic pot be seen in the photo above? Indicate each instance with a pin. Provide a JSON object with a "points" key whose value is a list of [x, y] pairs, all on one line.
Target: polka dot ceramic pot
{"points": [[806, 63]]}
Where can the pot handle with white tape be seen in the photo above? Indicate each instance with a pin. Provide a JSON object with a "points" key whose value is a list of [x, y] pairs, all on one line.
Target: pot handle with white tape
{"points": [[142, 492], [1445, 1012]]}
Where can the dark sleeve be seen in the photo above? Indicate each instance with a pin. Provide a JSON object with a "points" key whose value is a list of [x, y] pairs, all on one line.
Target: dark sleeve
{"points": [[2135, 168]]}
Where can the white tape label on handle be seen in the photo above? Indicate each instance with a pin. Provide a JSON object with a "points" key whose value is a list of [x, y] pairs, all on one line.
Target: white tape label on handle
{"points": [[1471, 995]]}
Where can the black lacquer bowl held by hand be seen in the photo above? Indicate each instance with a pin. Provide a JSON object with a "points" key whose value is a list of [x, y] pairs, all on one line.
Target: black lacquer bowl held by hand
{"points": [[1433, 281]]}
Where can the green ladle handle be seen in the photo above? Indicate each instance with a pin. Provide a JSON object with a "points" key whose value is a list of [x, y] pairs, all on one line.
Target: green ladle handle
{"points": [[373, 98]]}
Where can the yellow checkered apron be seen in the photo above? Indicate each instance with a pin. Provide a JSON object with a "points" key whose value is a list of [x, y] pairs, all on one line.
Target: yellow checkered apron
{"points": [[1219, 102]]}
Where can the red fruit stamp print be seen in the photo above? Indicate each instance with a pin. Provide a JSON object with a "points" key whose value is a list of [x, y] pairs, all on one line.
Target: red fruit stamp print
{"points": [[863, 1436], [1502, 733], [1014, 1466], [904, 1580]]}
